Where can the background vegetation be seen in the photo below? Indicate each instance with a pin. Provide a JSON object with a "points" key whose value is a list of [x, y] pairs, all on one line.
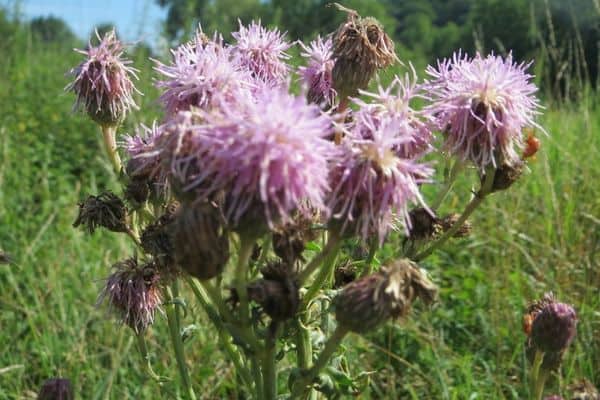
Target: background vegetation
{"points": [[543, 234]]}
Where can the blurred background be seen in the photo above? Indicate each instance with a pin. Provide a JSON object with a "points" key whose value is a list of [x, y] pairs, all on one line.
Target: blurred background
{"points": [[543, 234]]}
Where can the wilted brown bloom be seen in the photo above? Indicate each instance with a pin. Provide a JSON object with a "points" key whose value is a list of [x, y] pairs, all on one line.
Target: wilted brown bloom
{"points": [[290, 240], [423, 225], [389, 293], [106, 210], [200, 242], [278, 291], [505, 175], [156, 239], [448, 222], [56, 389], [360, 48], [584, 390]]}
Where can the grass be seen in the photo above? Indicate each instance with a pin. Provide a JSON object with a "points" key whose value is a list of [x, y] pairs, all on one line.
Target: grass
{"points": [[543, 234]]}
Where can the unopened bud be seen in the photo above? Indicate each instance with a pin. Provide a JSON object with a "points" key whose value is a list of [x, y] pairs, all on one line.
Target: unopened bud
{"points": [[277, 293], [106, 210], [156, 239], [56, 389]]}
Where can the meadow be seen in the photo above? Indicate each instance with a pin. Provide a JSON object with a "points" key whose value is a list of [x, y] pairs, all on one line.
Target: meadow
{"points": [[542, 235]]}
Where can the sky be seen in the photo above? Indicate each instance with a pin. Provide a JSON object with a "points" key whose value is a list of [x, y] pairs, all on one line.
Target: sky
{"points": [[134, 19]]}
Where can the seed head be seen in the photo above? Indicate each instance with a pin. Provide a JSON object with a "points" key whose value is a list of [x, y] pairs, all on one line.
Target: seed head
{"points": [[370, 301], [133, 293], [106, 210], [56, 389], [103, 83]]}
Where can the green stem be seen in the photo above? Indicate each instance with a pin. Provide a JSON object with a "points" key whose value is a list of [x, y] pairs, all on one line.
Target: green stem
{"points": [[143, 347], [241, 276], [323, 275], [270, 363], [538, 378], [175, 332], [304, 349], [331, 346], [472, 206], [110, 145], [333, 243], [258, 380], [448, 184]]}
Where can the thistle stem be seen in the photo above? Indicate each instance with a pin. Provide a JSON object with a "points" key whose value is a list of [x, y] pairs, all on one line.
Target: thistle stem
{"points": [[241, 276], [538, 377], [110, 145], [331, 346], [472, 206], [173, 319], [323, 275], [448, 184], [143, 347], [270, 363], [333, 243], [258, 380]]}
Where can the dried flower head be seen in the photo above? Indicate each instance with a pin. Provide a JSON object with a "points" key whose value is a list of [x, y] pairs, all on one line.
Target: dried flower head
{"points": [[278, 292], [156, 240], [133, 293], [482, 105], [56, 389], [505, 175], [106, 210], [290, 239], [372, 183], [583, 390], [202, 76], [448, 222], [269, 157], [317, 74], [200, 242], [370, 301], [360, 48], [262, 52], [554, 327], [423, 224], [103, 81]]}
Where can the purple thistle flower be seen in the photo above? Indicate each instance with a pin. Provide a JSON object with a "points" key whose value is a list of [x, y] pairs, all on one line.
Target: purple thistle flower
{"points": [[202, 75], [372, 181], [102, 82], [133, 292], [394, 102], [268, 156], [317, 75], [482, 105], [144, 151], [554, 327], [262, 52]]}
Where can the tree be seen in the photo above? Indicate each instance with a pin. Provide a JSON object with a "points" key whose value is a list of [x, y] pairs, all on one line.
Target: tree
{"points": [[51, 30]]}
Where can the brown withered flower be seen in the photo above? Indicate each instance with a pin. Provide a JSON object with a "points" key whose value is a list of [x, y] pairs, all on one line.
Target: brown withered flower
{"points": [[156, 238], [389, 293], [289, 241], [583, 390], [56, 389], [360, 48], [505, 175], [277, 292], [423, 225], [448, 222], [200, 241], [106, 210]]}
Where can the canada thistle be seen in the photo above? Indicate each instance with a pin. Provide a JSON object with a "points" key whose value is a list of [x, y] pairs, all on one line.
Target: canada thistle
{"points": [[389, 293], [106, 210], [103, 81]]}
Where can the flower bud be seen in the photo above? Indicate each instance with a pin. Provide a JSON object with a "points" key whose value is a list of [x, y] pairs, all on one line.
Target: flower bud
{"points": [[505, 175], [200, 242], [136, 192], [133, 293], [389, 293], [360, 48], [423, 225], [554, 327], [56, 389], [156, 239], [106, 210], [277, 293]]}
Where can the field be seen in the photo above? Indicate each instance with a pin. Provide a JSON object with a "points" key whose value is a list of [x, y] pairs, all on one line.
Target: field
{"points": [[542, 235]]}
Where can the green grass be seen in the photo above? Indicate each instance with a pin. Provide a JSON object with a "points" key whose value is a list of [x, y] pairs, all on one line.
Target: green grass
{"points": [[543, 234]]}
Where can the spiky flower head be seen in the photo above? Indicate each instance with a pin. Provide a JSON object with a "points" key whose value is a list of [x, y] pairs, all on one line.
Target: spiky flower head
{"points": [[56, 389], [103, 82], [366, 303], [201, 74], [133, 293], [317, 74], [554, 327], [268, 156], [262, 52], [371, 182], [360, 48], [482, 104], [106, 210]]}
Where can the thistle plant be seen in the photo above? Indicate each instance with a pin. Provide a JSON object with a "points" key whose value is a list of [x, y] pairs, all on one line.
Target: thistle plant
{"points": [[247, 196]]}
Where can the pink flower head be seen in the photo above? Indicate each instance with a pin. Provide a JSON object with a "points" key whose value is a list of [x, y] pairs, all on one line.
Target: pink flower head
{"points": [[394, 102], [317, 75], [268, 156], [133, 292], [144, 151], [201, 75], [371, 180], [262, 52], [102, 82], [483, 104]]}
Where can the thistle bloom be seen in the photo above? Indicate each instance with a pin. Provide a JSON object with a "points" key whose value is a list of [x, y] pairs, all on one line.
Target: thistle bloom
{"points": [[103, 81], [372, 181], [317, 74], [133, 292], [262, 52], [201, 75], [554, 327], [482, 105], [268, 156]]}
